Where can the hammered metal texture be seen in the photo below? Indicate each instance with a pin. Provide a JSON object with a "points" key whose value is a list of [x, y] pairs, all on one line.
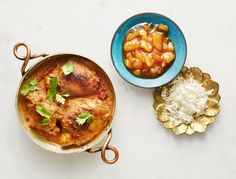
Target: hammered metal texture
{"points": [[200, 123]]}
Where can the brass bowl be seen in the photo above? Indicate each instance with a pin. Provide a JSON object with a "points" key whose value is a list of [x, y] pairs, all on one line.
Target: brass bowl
{"points": [[90, 147], [199, 124]]}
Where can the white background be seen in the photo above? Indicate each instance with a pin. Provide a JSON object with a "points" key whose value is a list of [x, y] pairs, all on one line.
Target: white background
{"points": [[147, 149]]}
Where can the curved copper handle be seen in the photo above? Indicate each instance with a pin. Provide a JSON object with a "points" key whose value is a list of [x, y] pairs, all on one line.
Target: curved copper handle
{"points": [[104, 148], [27, 57]]}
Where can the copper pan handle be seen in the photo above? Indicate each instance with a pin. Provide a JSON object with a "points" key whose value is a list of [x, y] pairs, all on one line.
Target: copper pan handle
{"points": [[27, 57], [104, 148]]}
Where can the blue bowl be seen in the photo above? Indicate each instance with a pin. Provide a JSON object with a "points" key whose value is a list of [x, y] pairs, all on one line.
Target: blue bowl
{"points": [[176, 36]]}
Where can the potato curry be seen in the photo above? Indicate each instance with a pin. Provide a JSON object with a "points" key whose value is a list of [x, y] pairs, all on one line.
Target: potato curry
{"points": [[147, 50]]}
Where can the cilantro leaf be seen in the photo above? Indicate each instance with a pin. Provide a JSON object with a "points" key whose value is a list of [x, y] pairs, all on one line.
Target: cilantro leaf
{"points": [[33, 82], [53, 83], [80, 121], [31, 85], [60, 99], [84, 117], [51, 94], [45, 121], [43, 111], [53, 88], [67, 68]]}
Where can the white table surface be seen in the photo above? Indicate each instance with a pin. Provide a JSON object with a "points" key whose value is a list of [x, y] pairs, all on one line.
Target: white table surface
{"points": [[147, 149]]}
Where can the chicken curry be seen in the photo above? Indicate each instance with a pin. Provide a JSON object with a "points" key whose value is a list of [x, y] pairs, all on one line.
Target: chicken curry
{"points": [[68, 101]]}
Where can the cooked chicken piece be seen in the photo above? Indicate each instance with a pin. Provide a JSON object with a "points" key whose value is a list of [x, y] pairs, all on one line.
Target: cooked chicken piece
{"points": [[81, 82], [34, 119], [101, 112]]}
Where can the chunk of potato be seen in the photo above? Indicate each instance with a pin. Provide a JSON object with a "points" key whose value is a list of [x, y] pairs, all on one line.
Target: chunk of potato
{"points": [[129, 56], [163, 28], [146, 45], [148, 27], [171, 47], [65, 137], [156, 55], [148, 60], [131, 45], [142, 32], [137, 64], [163, 64], [158, 40], [168, 57], [156, 70], [147, 38], [165, 46], [128, 63], [139, 55], [137, 72], [132, 34]]}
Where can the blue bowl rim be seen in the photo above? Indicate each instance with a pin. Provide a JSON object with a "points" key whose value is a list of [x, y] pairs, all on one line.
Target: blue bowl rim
{"points": [[139, 14]]}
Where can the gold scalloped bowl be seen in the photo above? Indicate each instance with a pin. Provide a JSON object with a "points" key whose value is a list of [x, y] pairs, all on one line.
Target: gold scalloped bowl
{"points": [[199, 123]]}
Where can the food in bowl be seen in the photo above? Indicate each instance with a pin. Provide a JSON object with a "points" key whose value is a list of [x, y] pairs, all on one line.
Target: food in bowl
{"points": [[148, 51], [68, 102], [189, 103]]}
